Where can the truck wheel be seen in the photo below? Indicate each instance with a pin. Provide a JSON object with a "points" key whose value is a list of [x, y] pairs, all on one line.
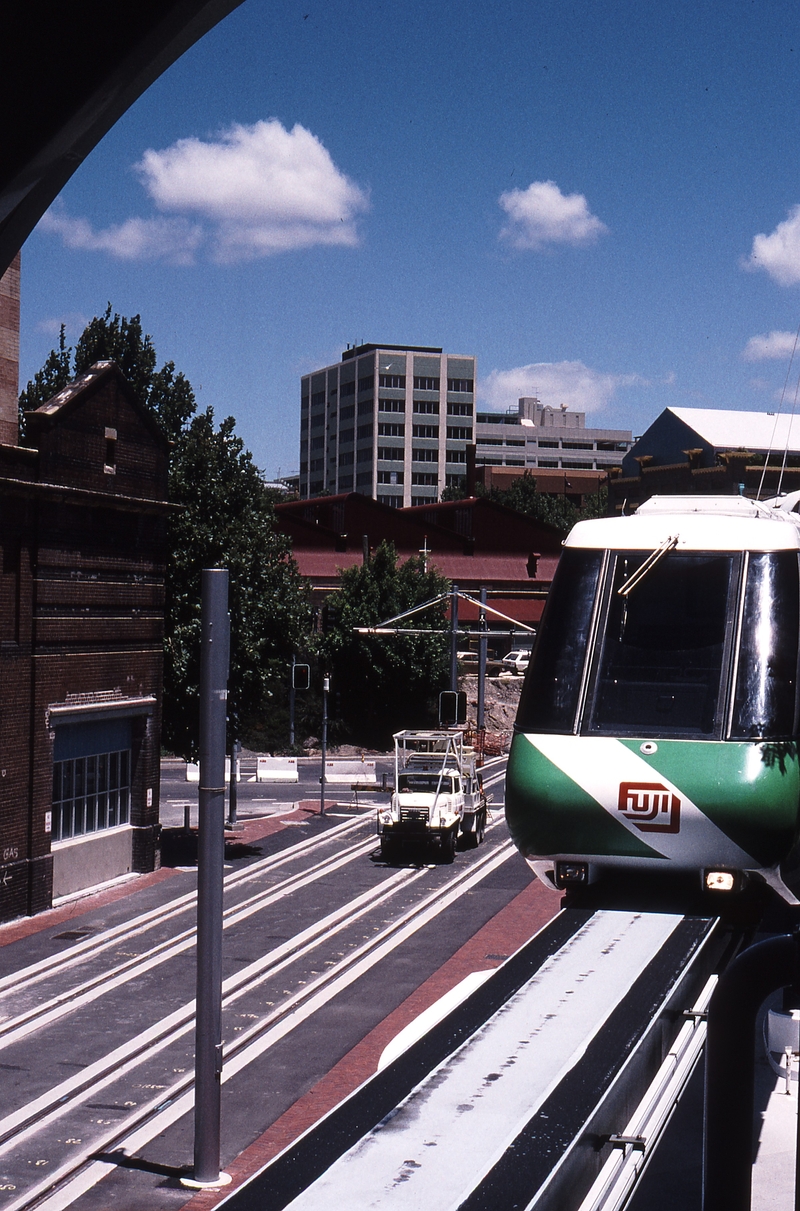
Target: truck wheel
{"points": [[388, 849], [449, 846]]}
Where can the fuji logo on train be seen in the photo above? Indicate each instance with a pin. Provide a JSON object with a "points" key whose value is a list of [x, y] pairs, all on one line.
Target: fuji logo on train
{"points": [[651, 806]]}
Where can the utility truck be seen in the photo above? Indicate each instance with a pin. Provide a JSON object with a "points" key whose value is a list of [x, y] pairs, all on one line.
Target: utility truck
{"points": [[438, 794]]}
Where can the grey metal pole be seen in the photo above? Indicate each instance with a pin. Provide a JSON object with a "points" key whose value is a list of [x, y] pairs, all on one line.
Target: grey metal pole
{"points": [[454, 638], [326, 685], [214, 659], [233, 793], [291, 704], [482, 643]]}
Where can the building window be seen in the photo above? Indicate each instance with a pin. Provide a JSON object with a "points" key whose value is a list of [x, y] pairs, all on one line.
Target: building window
{"points": [[317, 464], [490, 441], [91, 793], [576, 445], [459, 409], [346, 459], [364, 431], [347, 389], [317, 399], [345, 481], [460, 384], [429, 406], [548, 462], [392, 380], [347, 413], [576, 464], [425, 431], [304, 424], [364, 480], [365, 407], [391, 453], [511, 441], [457, 456], [304, 468], [345, 436], [419, 455], [496, 462], [317, 442], [426, 384], [316, 485], [455, 481], [364, 456], [392, 405], [366, 384], [549, 445], [423, 500], [394, 502], [425, 478], [318, 421], [458, 434], [388, 430], [515, 462], [390, 477]]}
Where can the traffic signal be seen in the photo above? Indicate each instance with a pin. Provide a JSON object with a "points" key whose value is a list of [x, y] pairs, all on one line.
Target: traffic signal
{"points": [[452, 707], [330, 617], [301, 676]]}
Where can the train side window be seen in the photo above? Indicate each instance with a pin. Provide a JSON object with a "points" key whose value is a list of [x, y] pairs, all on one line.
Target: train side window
{"points": [[661, 663], [552, 686], [766, 678]]}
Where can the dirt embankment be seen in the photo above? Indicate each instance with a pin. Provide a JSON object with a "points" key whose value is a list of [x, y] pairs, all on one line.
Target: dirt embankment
{"points": [[501, 699]]}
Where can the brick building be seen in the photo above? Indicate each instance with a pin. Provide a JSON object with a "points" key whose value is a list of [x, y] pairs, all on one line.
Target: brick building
{"points": [[82, 551]]}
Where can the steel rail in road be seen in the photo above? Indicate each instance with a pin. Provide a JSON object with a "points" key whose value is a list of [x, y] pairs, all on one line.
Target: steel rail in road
{"points": [[172, 1102], [127, 930]]}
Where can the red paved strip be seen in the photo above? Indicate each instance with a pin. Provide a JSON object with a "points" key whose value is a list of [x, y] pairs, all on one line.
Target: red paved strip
{"points": [[526, 914]]}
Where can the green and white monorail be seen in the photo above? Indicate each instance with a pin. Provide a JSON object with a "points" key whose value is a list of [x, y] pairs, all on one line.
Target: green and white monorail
{"points": [[658, 724]]}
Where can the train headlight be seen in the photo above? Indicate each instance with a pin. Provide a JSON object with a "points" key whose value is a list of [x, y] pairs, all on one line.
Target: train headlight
{"points": [[720, 880]]}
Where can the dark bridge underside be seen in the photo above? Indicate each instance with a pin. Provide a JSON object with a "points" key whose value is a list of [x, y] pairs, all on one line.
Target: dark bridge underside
{"points": [[67, 72]]}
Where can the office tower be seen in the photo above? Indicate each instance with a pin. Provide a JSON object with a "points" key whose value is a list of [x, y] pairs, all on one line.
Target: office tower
{"points": [[390, 421]]}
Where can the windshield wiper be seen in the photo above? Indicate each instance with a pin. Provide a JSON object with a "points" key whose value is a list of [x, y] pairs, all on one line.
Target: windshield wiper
{"points": [[643, 569]]}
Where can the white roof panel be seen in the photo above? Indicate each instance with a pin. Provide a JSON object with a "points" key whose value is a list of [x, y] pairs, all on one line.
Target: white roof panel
{"points": [[729, 430]]}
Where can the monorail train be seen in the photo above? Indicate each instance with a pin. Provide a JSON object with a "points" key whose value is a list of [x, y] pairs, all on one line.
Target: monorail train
{"points": [[658, 725]]}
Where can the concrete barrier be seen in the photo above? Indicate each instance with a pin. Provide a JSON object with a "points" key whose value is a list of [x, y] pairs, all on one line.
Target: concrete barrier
{"points": [[349, 772], [193, 771], [277, 769]]}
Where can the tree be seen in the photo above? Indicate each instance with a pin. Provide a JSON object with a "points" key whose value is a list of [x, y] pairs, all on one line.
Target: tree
{"points": [[227, 519], [392, 682]]}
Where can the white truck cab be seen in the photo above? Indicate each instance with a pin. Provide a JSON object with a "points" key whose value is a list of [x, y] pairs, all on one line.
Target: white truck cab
{"points": [[438, 795]]}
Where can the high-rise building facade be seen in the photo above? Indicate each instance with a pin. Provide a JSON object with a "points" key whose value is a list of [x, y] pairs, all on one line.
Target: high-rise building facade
{"points": [[392, 422], [538, 435]]}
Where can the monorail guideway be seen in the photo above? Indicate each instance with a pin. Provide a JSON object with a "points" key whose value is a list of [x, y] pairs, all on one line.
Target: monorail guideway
{"points": [[525, 1095]]}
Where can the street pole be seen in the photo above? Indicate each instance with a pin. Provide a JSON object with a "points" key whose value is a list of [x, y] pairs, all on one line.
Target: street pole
{"points": [[214, 662], [234, 790], [291, 704], [326, 685], [482, 643], [454, 638]]}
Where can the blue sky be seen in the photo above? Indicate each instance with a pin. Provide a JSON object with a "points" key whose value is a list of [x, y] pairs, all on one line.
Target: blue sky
{"points": [[600, 201]]}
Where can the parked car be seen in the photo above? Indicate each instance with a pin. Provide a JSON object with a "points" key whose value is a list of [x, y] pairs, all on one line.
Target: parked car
{"points": [[517, 661], [467, 657]]}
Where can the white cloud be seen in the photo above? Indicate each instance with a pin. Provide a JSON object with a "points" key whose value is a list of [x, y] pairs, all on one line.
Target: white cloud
{"points": [[579, 387], [779, 253], [266, 189], [542, 214], [778, 345], [172, 240], [251, 192], [74, 323]]}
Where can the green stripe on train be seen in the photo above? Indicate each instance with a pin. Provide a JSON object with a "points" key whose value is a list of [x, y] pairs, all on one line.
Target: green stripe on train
{"points": [[559, 817], [749, 790]]}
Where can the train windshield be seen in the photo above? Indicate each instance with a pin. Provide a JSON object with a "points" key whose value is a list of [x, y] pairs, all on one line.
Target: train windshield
{"points": [[766, 674], [660, 665]]}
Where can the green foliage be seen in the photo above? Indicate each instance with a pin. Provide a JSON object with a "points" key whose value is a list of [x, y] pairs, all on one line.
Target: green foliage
{"points": [[47, 382], [392, 682], [552, 508], [226, 520]]}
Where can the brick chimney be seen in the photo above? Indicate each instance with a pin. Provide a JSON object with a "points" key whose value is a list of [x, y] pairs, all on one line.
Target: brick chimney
{"points": [[9, 354]]}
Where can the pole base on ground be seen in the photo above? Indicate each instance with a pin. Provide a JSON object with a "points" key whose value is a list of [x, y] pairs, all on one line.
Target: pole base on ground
{"points": [[191, 1183]]}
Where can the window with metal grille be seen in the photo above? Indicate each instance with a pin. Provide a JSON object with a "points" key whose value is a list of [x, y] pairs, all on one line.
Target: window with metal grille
{"points": [[91, 793], [424, 477], [364, 431], [391, 405], [366, 384], [387, 430], [429, 406], [458, 433], [426, 384], [425, 430], [391, 380], [460, 384], [419, 455], [391, 453], [459, 409]]}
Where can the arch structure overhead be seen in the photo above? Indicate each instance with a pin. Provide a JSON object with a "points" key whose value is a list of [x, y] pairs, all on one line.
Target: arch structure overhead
{"points": [[68, 72]]}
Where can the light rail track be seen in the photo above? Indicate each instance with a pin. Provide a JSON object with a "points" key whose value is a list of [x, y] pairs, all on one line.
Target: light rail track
{"points": [[109, 1074]]}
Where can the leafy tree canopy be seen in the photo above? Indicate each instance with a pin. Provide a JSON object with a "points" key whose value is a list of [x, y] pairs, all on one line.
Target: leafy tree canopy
{"points": [[392, 682], [554, 509], [227, 520]]}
